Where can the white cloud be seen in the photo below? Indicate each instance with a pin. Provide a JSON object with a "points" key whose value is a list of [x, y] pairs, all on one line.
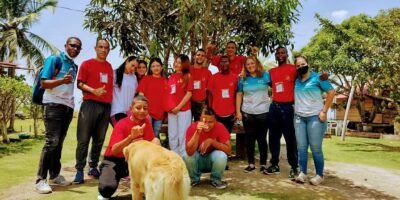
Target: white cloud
{"points": [[339, 15]]}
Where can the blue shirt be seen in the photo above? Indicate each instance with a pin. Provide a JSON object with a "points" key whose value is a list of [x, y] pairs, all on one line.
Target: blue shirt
{"points": [[308, 95], [62, 94], [255, 93]]}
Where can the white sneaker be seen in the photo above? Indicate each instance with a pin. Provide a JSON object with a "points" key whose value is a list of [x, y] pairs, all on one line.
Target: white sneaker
{"points": [[99, 197], [301, 178], [42, 187], [316, 180], [59, 180]]}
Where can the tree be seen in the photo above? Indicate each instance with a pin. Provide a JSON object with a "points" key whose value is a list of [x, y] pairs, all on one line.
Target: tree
{"points": [[16, 41], [358, 49], [182, 26], [10, 90]]}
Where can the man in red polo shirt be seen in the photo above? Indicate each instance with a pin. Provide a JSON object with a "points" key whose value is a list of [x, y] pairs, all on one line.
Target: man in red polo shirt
{"points": [[95, 79], [282, 113], [200, 75], [222, 88]]}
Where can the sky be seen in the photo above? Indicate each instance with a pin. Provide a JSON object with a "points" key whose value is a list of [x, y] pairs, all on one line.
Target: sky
{"points": [[57, 26]]}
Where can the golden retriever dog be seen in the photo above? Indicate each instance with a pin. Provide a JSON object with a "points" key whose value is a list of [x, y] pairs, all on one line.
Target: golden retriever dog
{"points": [[156, 172]]}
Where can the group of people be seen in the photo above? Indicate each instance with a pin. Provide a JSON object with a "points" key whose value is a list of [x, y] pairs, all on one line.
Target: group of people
{"points": [[200, 107]]}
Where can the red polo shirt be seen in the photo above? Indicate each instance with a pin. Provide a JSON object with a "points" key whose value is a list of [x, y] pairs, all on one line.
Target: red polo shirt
{"points": [[154, 89], [177, 90], [223, 91], [235, 65], [283, 78], [200, 79], [219, 133]]}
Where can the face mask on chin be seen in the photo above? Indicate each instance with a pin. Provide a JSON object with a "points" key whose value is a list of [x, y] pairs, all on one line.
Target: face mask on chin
{"points": [[302, 70]]}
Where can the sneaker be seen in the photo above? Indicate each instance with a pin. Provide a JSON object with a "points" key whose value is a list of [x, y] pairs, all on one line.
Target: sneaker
{"points": [[263, 168], [59, 180], [293, 173], [99, 197], [301, 178], [219, 184], [42, 187], [94, 172], [79, 178], [249, 168], [194, 183], [316, 180], [272, 170]]}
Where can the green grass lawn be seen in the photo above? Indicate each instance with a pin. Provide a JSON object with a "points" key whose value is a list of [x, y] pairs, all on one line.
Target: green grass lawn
{"points": [[19, 162]]}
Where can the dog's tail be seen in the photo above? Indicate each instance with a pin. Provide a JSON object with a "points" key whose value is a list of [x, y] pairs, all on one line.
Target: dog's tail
{"points": [[168, 186]]}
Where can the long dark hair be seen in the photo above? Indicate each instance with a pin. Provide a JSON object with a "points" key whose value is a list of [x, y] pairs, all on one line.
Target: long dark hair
{"points": [[155, 59], [121, 70], [185, 68]]}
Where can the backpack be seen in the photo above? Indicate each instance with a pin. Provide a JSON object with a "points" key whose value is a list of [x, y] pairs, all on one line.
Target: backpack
{"points": [[37, 90]]}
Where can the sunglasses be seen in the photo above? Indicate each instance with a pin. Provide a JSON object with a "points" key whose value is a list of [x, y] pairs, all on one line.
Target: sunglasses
{"points": [[75, 46]]}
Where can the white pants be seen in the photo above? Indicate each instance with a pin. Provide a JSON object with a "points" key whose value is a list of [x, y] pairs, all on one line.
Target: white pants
{"points": [[177, 126]]}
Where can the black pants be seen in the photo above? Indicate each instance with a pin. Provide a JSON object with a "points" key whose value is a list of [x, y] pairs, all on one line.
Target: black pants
{"points": [[92, 123], [281, 122], [197, 107], [111, 171], [227, 122], [57, 118], [256, 128]]}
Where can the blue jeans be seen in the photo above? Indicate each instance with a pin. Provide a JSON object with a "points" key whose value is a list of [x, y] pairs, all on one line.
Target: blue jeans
{"points": [[310, 131], [213, 162], [281, 122], [156, 127], [57, 118]]}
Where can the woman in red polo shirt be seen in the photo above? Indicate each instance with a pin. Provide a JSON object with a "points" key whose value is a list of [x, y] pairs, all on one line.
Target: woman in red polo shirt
{"points": [[154, 86], [180, 86]]}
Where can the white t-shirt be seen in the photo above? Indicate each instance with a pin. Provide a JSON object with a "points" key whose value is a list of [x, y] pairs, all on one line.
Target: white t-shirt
{"points": [[123, 96]]}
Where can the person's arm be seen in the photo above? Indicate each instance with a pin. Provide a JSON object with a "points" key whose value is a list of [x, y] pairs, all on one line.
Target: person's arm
{"points": [[50, 84], [330, 94], [225, 147], [136, 135], [193, 143], [239, 97], [184, 100], [96, 91]]}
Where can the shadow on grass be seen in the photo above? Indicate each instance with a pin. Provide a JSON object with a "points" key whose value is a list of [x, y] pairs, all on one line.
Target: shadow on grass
{"points": [[19, 146], [369, 147]]}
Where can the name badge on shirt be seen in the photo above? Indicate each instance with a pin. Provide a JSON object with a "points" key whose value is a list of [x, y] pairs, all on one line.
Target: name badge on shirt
{"points": [[196, 84], [279, 87], [225, 93], [173, 89], [103, 78]]}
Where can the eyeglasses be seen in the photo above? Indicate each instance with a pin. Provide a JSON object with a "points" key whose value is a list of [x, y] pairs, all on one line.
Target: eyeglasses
{"points": [[75, 46]]}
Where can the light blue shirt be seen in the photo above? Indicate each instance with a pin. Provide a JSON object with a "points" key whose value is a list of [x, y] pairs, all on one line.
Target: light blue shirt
{"points": [[255, 93], [308, 95], [62, 94]]}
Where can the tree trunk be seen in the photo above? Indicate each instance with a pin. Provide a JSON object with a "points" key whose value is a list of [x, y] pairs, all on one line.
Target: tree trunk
{"points": [[192, 43], [3, 129], [12, 117]]}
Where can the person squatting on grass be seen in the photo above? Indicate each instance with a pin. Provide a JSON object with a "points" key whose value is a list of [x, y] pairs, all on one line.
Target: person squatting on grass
{"points": [[58, 103], [96, 82], [310, 118], [128, 130], [207, 148]]}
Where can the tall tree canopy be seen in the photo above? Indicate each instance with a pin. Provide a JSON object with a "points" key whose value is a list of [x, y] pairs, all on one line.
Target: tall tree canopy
{"points": [[16, 40], [182, 26], [361, 48]]}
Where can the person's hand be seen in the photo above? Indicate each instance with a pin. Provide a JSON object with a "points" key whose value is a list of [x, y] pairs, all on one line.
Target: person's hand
{"points": [[175, 110], [238, 116], [206, 146], [322, 116], [67, 79], [254, 51], [201, 125], [211, 48], [100, 91], [137, 131]]}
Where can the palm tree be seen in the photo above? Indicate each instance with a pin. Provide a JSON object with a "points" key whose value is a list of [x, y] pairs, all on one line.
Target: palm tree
{"points": [[16, 41]]}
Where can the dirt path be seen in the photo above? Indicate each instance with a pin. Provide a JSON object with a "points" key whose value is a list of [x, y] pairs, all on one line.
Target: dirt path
{"points": [[343, 181]]}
